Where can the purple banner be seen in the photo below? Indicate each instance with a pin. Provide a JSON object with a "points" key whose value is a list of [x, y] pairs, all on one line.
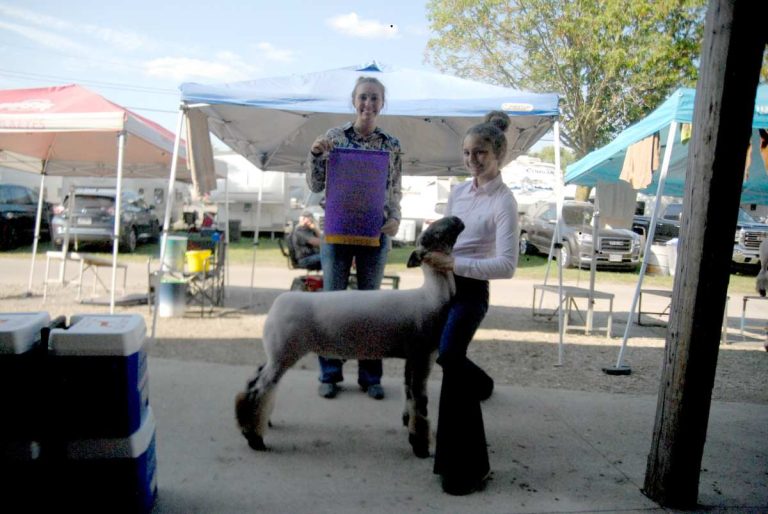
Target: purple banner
{"points": [[355, 195]]}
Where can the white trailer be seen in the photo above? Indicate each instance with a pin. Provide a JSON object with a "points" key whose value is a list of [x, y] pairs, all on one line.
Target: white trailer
{"points": [[420, 198], [281, 194]]}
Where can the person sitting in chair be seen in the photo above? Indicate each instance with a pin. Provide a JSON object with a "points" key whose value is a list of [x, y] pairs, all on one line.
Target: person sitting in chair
{"points": [[306, 242]]}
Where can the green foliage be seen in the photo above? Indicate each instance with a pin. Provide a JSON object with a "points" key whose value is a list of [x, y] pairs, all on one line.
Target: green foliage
{"points": [[547, 154], [611, 61]]}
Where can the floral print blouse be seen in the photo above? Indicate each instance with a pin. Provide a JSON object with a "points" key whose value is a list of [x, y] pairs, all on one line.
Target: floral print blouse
{"points": [[346, 137]]}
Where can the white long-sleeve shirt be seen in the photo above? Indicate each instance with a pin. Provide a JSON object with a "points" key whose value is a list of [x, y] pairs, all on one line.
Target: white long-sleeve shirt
{"points": [[489, 245]]}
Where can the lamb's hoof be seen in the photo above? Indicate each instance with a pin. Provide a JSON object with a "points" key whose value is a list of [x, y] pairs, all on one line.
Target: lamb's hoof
{"points": [[256, 442], [406, 419], [420, 447]]}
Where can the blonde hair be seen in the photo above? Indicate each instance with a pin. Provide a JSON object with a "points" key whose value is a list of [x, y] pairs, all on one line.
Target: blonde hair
{"points": [[491, 131]]}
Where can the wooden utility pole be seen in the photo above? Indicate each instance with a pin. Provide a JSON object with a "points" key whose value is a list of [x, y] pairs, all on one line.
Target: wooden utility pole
{"points": [[731, 56]]}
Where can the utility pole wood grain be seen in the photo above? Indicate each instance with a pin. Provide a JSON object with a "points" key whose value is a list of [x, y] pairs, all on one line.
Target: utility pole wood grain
{"points": [[732, 50]]}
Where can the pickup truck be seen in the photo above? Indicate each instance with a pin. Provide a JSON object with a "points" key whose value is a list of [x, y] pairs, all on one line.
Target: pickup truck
{"points": [[618, 248], [746, 242]]}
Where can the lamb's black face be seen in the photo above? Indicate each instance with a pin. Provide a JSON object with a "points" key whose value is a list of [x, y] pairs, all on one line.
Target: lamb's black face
{"points": [[441, 235]]}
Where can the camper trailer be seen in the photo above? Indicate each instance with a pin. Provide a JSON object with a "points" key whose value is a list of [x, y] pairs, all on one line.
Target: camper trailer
{"points": [[282, 194]]}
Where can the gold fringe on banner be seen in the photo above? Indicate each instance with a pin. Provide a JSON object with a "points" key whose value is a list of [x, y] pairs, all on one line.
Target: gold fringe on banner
{"points": [[351, 240]]}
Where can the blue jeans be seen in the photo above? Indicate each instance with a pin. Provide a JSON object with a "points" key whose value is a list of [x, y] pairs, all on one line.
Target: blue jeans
{"points": [[337, 265], [310, 262], [461, 454]]}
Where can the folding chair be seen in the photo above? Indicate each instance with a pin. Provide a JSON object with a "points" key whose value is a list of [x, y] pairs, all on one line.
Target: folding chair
{"points": [[310, 281], [206, 287]]}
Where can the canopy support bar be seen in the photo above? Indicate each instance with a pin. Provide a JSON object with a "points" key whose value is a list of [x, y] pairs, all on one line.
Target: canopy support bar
{"points": [[620, 367]]}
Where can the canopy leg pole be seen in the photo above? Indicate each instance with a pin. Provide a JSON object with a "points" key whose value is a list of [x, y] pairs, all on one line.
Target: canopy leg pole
{"points": [[558, 183], [118, 214], [65, 244], [256, 232], [593, 263], [167, 218], [620, 368], [38, 219], [556, 245], [226, 256]]}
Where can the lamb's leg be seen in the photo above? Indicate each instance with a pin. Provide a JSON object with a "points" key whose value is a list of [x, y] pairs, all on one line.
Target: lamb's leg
{"points": [[418, 421], [408, 408], [254, 405]]}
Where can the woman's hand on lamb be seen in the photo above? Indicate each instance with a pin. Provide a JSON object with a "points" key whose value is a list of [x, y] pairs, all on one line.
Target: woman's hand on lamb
{"points": [[439, 261]]}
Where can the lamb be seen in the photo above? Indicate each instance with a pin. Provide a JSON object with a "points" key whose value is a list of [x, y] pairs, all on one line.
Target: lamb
{"points": [[761, 282], [356, 324]]}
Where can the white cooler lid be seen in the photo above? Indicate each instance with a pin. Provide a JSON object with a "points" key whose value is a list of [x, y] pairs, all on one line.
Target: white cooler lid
{"points": [[92, 334], [19, 331]]}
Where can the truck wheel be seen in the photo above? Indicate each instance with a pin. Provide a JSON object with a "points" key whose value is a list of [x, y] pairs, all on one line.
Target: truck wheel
{"points": [[129, 242]]}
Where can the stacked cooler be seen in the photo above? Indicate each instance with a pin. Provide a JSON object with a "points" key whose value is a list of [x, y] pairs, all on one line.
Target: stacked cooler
{"points": [[81, 429], [105, 430], [22, 360]]}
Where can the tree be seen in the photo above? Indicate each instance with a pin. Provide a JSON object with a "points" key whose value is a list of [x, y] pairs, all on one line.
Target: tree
{"points": [[547, 154], [611, 61]]}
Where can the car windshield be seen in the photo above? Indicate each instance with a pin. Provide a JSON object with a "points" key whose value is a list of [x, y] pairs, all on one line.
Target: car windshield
{"points": [[91, 202], [576, 215]]}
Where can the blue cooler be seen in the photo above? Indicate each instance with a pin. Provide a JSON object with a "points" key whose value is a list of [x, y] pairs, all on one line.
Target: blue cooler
{"points": [[22, 376], [21, 379], [108, 474], [98, 372]]}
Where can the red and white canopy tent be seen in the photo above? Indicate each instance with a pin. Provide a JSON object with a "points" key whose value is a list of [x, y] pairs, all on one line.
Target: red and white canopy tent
{"points": [[71, 131]]}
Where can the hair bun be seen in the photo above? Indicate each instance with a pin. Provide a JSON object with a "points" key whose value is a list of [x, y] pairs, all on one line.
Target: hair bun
{"points": [[498, 119]]}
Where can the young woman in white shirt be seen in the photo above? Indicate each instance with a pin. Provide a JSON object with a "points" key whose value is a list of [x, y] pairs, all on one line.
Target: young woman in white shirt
{"points": [[486, 249]]}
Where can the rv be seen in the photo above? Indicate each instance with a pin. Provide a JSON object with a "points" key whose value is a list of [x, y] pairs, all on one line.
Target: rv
{"points": [[282, 194]]}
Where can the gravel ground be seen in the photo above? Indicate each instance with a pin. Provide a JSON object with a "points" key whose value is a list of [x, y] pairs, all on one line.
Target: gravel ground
{"points": [[512, 346]]}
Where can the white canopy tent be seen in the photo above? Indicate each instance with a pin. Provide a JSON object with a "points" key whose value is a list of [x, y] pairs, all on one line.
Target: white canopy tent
{"points": [[69, 130], [273, 121]]}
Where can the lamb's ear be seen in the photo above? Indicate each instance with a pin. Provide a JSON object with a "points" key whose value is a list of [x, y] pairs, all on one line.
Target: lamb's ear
{"points": [[417, 255]]}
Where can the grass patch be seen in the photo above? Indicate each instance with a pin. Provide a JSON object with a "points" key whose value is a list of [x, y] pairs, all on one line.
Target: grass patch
{"points": [[532, 267]]}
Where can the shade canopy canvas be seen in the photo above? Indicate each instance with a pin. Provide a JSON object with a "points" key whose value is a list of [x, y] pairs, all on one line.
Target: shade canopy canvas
{"points": [[273, 121], [73, 130], [70, 130], [605, 164]]}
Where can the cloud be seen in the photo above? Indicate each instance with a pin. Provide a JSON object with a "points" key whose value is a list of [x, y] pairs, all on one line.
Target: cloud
{"points": [[226, 68], [352, 25], [118, 39], [271, 53], [45, 38]]}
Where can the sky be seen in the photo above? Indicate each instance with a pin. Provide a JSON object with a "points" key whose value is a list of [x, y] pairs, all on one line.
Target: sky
{"points": [[137, 53]]}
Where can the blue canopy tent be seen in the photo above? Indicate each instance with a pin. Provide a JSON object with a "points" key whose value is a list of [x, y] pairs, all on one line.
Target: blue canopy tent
{"points": [[273, 121], [605, 164]]}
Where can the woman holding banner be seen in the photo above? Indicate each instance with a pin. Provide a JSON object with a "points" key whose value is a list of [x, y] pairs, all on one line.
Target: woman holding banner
{"points": [[486, 249], [363, 192]]}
